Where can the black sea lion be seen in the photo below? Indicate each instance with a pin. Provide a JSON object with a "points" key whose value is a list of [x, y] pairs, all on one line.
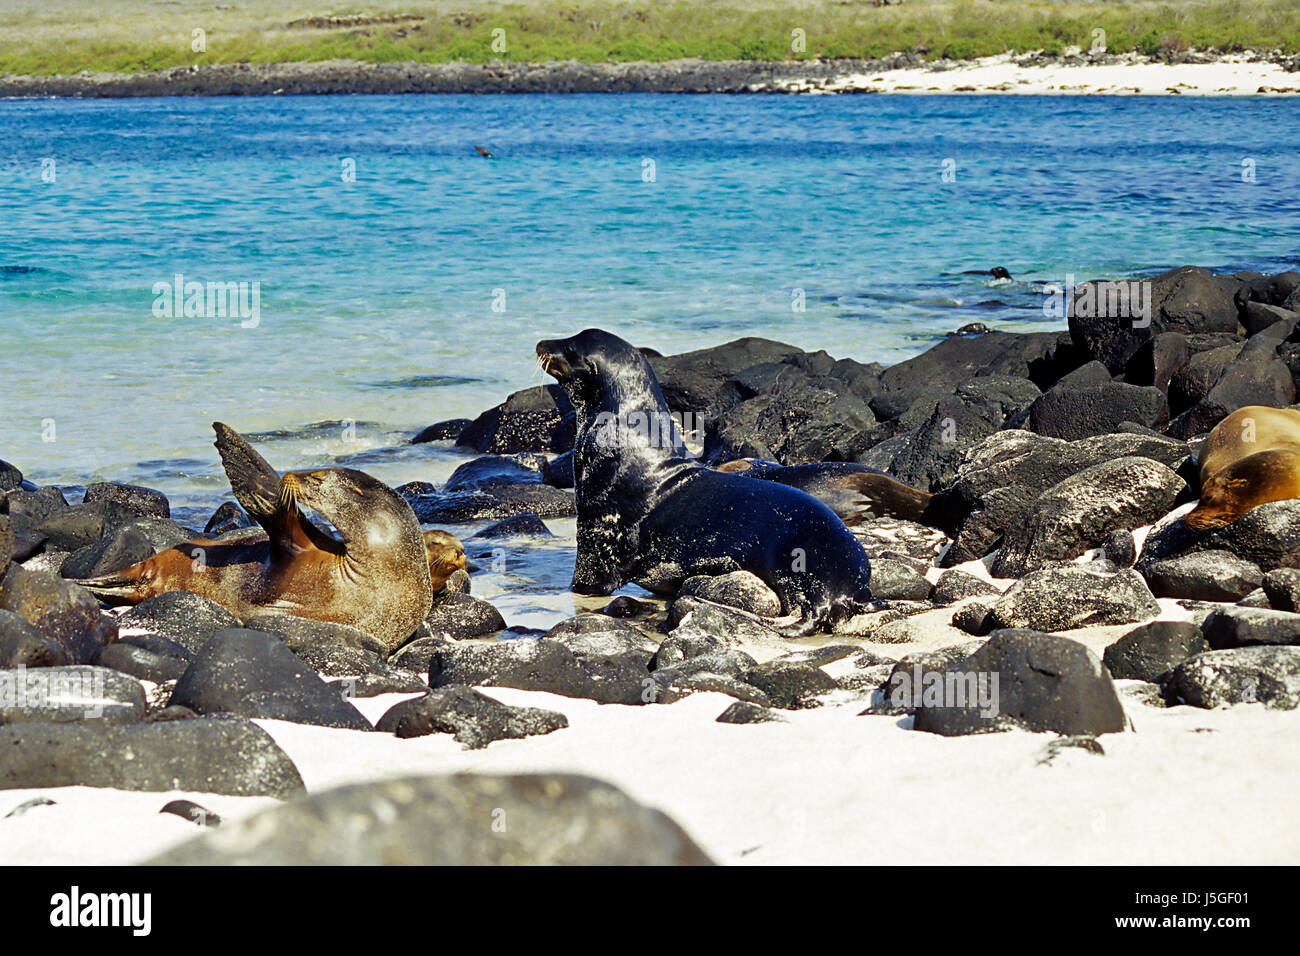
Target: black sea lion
{"points": [[1252, 457], [375, 578], [649, 512], [856, 493]]}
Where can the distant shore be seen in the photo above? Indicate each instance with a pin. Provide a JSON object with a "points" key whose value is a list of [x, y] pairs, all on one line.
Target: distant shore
{"points": [[1246, 74]]}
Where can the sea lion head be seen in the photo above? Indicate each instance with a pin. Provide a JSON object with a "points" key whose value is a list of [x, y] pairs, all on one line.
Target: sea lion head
{"points": [[369, 515], [446, 556], [1247, 483], [599, 371]]}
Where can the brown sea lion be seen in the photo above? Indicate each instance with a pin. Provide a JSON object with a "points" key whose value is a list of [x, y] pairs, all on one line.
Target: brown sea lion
{"points": [[855, 492], [376, 578], [1252, 457], [446, 556]]}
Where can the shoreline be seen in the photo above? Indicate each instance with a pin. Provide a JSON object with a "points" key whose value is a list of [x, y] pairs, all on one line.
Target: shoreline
{"points": [[1203, 74]]}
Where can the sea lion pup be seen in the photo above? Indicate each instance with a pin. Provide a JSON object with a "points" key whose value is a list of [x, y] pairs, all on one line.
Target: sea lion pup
{"points": [[650, 513], [1252, 457], [446, 556], [856, 493], [375, 578]]}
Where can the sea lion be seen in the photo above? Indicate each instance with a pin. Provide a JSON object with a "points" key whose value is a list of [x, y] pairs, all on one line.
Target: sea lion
{"points": [[446, 556], [856, 493], [1252, 457], [651, 513], [376, 578]]}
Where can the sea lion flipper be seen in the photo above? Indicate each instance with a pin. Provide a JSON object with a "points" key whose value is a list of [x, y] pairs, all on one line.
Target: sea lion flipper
{"points": [[256, 486]]}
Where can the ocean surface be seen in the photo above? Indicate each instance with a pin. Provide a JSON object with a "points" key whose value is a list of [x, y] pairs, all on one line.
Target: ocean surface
{"points": [[402, 278]]}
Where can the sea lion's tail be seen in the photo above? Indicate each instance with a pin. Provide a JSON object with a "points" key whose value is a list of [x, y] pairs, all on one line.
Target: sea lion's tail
{"points": [[865, 495]]}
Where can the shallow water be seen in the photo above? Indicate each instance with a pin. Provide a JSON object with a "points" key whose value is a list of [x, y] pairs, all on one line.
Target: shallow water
{"points": [[377, 296]]}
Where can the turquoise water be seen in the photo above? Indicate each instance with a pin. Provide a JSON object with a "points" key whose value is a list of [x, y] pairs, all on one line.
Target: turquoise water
{"points": [[376, 296]]}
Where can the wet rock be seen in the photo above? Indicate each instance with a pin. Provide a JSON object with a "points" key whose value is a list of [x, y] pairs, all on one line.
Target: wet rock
{"points": [[743, 712], [145, 502], [954, 585], [299, 633], [525, 524], [124, 546], [474, 719], [1203, 576], [179, 616], [739, 589], [459, 616], [1247, 626], [10, 476], [1081, 511], [214, 755], [542, 663], [976, 617], [254, 675], [730, 624], [144, 662], [34, 506], [1267, 675], [1007, 471], [624, 606], [494, 502], [441, 431], [228, 517], [1187, 300], [691, 381], [791, 685], [494, 470], [1044, 683], [1058, 599], [192, 812], [1282, 585], [896, 581], [1120, 548], [959, 359], [456, 820], [1268, 537], [21, 645], [1148, 652], [1248, 381], [1073, 413], [60, 610], [70, 694], [535, 419]]}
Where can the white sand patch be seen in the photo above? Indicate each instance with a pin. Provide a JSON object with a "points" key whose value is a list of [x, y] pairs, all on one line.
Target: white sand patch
{"points": [[1132, 76]]}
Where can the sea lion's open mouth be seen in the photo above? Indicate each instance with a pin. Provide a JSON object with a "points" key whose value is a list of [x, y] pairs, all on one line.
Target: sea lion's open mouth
{"points": [[552, 363]]}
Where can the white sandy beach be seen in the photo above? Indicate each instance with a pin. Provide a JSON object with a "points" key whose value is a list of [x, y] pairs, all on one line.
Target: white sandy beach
{"points": [[1131, 76], [1182, 786]]}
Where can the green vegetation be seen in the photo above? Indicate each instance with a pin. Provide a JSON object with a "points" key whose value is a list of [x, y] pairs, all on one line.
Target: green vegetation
{"points": [[68, 36]]}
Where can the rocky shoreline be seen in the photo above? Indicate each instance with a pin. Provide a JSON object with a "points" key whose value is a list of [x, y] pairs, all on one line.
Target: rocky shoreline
{"points": [[1054, 556], [673, 76]]}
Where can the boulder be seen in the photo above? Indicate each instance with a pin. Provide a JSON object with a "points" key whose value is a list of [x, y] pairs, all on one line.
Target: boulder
{"points": [[1043, 683], [1152, 650], [1267, 675], [253, 674], [473, 718], [535, 419], [188, 619], [61, 610], [69, 695], [214, 755], [1058, 599], [457, 820], [1203, 576], [1248, 627]]}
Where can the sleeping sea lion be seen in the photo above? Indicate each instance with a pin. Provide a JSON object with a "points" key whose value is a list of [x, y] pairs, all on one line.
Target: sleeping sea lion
{"points": [[376, 578], [1251, 457], [855, 492], [649, 512], [446, 556]]}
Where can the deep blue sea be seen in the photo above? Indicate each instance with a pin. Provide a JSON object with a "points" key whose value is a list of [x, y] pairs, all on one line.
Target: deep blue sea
{"points": [[403, 278]]}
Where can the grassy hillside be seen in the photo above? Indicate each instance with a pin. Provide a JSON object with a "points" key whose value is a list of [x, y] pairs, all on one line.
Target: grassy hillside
{"points": [[67, 36]]}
